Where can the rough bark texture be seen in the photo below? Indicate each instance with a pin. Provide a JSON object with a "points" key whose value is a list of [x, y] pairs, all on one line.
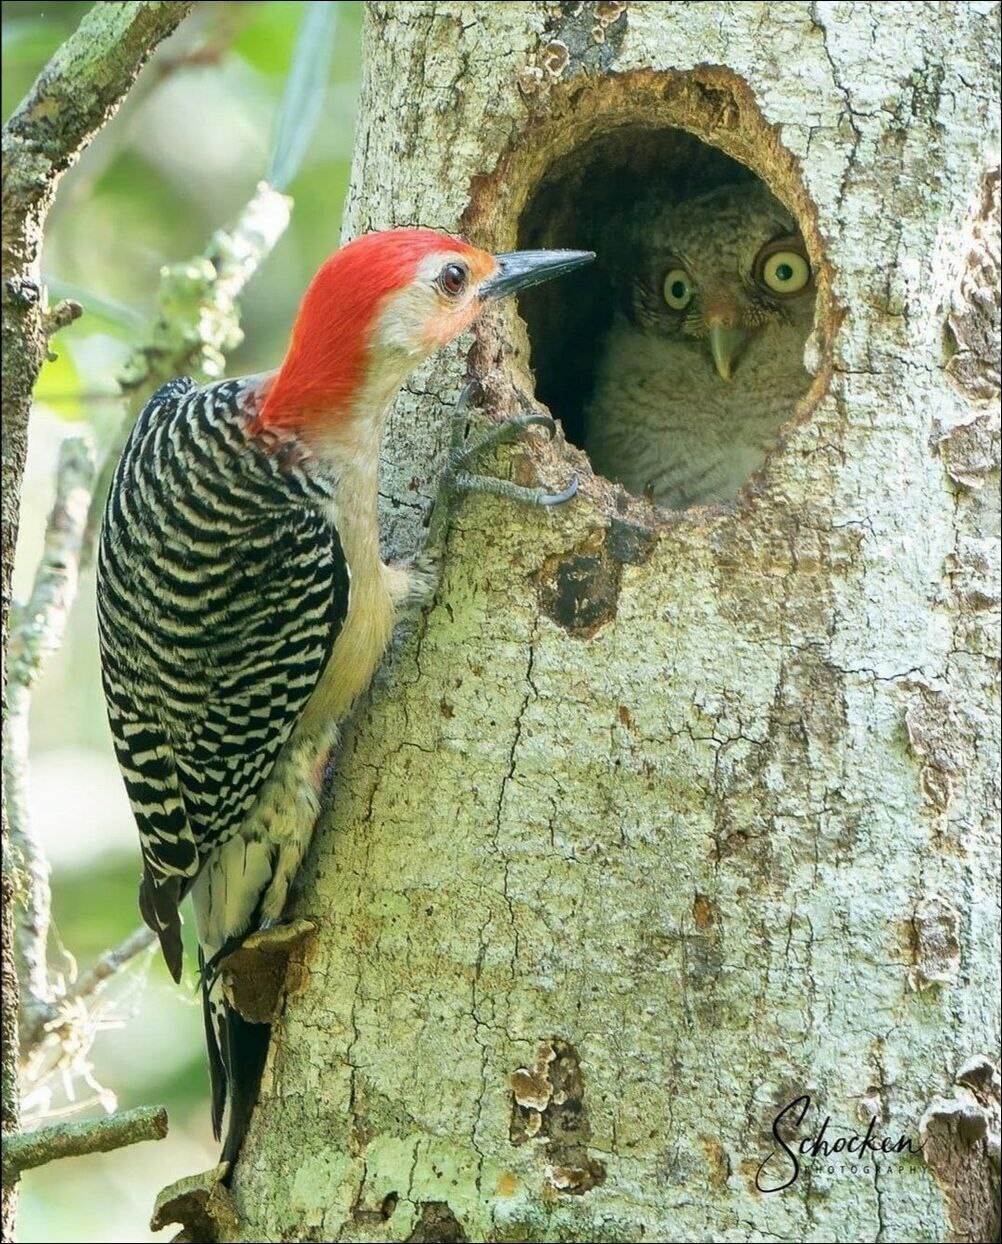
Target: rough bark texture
{"points": [[658, 822], [74, 95]]}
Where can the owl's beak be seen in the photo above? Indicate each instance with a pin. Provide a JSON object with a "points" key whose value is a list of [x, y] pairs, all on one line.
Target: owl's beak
{"points": [[725, 346]]}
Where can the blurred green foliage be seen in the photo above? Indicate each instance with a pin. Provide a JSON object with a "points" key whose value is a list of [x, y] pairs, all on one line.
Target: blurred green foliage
{"points": [[178, 161]]}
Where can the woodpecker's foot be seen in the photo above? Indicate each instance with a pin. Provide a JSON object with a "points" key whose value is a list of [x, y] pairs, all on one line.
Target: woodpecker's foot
{"points": [[456, 478]]}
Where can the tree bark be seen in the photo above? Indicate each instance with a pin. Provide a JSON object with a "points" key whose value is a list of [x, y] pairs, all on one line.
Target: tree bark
{"points": [[73, 97], [656, 823]]}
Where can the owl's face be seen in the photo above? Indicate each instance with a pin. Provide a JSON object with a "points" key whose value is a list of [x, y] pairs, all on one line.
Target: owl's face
{"points": [[716, 270]]}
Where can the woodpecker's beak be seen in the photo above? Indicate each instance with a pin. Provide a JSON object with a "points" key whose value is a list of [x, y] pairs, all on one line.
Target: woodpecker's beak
{"points": [[725, 346], [519, 269]]}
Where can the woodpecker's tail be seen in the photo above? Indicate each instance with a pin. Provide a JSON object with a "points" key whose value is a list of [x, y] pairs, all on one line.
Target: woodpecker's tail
{"points": [[237, 1052], [226, 899]]}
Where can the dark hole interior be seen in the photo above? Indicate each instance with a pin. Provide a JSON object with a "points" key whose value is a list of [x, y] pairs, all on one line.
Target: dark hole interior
{"points": [[579, 203]]}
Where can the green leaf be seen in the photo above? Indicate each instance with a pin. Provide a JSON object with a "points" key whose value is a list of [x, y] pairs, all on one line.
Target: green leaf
{"points": [[302, 103]]}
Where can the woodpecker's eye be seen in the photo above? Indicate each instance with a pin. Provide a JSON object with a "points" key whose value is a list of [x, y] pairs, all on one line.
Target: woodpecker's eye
{"points": [[677, 289], [782, 268], [452, 279]]}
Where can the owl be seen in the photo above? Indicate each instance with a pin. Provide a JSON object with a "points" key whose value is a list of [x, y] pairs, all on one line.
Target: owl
{"points": [[704, 360]]}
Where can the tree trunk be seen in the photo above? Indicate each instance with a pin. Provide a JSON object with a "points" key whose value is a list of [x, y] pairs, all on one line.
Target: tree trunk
{"points": [[656, 823]]}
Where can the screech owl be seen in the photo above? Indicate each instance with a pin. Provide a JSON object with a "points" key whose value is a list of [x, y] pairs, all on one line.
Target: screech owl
{"points": [[705, 358]]}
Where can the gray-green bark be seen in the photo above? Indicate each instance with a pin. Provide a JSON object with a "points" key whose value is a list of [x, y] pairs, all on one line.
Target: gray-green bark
{"points": [[597, 898]]}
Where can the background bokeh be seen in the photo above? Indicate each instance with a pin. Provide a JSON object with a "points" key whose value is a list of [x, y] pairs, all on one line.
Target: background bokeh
{"points": [[179, 160]]}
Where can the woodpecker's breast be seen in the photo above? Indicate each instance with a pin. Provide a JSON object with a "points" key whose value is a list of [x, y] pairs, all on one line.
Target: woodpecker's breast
{"points": [[368, 625], [289, 802]]}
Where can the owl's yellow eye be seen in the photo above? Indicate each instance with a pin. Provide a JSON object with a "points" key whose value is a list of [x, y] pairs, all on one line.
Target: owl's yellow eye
{"points": [[785, 272], [677, 289]]}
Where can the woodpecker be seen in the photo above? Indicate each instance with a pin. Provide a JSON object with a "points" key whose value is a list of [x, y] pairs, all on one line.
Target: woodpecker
{"points": [[243, 605]]}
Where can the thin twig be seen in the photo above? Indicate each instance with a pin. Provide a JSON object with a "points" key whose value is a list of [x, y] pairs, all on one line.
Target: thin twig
{"points": [[110, 962], [64, 1007], [198, 322], [64, 312], [73, 1140], [38, 632], [41, 621]]}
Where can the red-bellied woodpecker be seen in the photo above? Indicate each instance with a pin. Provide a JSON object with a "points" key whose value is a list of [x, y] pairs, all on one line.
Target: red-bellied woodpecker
{"points": [[243, 605]]}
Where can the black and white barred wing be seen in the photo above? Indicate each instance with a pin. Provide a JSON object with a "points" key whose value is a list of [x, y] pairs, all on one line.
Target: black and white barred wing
{"points": [[221, 589], [170, 854], [270, 640]]}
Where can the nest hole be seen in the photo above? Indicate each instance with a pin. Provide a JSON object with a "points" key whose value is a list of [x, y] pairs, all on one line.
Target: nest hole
{"points": [[676, 390]]}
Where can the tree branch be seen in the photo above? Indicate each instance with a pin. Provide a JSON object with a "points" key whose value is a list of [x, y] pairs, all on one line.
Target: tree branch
{"points": [[73, 1140], [112, 961], [198, 321], [64, 1009], [41, 622], [38, 633], [72, 98]]}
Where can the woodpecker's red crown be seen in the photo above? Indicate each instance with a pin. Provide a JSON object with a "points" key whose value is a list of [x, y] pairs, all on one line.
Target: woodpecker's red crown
{"points": [[400, 292]]}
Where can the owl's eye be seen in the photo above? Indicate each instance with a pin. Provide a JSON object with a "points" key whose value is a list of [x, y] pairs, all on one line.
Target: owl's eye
{"points": [[782, 270], [677, 289]]}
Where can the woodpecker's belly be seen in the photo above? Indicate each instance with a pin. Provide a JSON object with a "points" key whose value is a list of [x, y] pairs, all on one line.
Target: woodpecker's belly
{"points": [[276, 832], [289, 803]]}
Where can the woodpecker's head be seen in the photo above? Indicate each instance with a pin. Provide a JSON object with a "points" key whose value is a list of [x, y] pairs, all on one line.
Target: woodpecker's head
{"points": [[377, 308], [716, 270]]}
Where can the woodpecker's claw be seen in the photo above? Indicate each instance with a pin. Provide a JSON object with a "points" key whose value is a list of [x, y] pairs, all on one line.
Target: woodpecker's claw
{"points": [[558, 498], [463, 454], [535, 420], [471, 390], [464, 481]]}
